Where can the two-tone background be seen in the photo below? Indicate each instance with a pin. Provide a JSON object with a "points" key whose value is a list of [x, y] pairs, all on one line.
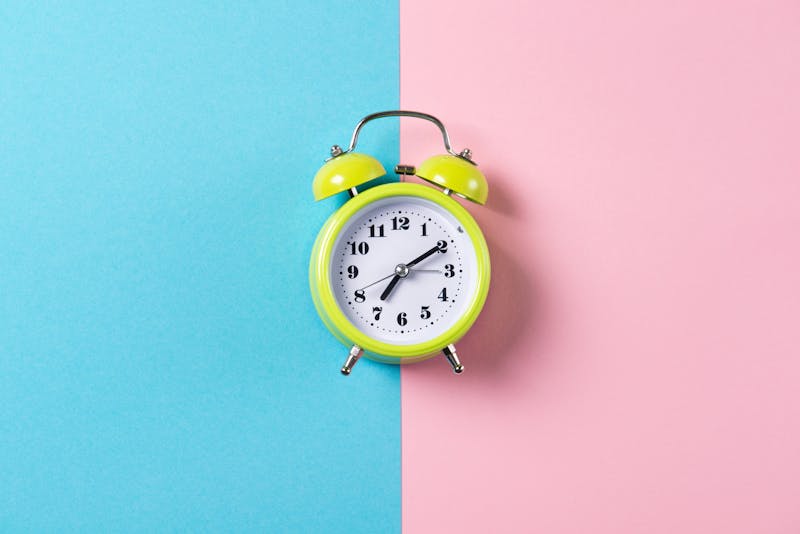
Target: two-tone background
{"points": [[636, 368]]}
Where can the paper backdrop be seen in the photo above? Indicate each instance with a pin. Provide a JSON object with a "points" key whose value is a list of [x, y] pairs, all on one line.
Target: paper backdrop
{"points": [[162, 367], [636, 366]]}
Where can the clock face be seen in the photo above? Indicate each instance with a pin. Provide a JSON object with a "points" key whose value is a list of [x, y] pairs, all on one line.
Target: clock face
{"points": [[403, 270]]}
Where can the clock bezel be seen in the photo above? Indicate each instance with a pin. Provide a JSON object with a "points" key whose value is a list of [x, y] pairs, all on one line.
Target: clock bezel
{"points": [[323, 293]]}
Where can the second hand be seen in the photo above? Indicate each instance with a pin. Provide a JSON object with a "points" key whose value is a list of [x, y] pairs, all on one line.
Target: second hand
{"points": [[391, 275], [376, 282]]}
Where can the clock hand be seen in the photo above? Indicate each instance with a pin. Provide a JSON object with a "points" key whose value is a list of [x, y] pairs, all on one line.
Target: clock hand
{"points": [[402, 270], [427, 253], [376, 282], [393, 274], [390, 287]]}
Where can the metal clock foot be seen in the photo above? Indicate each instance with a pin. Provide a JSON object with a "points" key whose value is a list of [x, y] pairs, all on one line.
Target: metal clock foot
{"points": [[450, 353], [352, 358]]}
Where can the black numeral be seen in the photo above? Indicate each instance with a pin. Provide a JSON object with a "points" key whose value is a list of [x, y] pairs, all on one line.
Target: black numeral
{"points": [[426, 312], [449, 271], [442, 246], [373, 233], [377, 311], [359, 248], [400, 223], [401, 319], [360, 296], [443, 295], [352, 271], [424, 229]]}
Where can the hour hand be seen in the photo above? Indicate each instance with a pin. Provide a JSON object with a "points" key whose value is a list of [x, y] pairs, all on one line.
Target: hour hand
{"points": [[400, 271], [389, 288]]}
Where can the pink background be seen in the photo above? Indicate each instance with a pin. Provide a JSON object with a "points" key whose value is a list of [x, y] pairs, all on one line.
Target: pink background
{"points": [[636, 367]]}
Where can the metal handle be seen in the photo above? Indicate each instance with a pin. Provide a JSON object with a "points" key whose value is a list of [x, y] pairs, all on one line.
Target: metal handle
{"points": [[400, 113]]}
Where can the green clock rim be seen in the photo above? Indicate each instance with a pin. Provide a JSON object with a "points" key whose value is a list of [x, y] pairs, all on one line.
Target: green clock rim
{"points": [[335, 319]]}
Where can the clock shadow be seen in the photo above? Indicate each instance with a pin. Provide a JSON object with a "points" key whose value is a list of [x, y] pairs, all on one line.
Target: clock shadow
{"points": [[511, 310], [502, 202], [515, 305]]}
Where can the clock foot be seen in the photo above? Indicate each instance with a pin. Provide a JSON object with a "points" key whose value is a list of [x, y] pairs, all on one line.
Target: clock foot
{"points": [[450, 353], [352, 358]]}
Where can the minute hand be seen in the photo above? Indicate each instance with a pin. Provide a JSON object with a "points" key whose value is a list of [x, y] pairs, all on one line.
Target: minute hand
{"points": [[393, 282], [430, 252]]}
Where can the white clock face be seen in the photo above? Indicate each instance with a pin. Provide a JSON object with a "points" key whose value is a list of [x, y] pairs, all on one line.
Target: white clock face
{"points": [[403, 270]]}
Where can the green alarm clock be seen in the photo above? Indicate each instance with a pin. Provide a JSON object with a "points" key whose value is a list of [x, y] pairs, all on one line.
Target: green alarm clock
{"points": [[401, 271]]}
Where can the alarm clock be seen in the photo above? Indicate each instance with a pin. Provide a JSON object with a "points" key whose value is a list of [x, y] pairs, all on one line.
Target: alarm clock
{"points": [[401, 271]]}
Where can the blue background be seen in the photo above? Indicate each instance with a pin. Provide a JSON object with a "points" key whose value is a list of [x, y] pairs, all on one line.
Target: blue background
{"points": [[161, 364]]}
